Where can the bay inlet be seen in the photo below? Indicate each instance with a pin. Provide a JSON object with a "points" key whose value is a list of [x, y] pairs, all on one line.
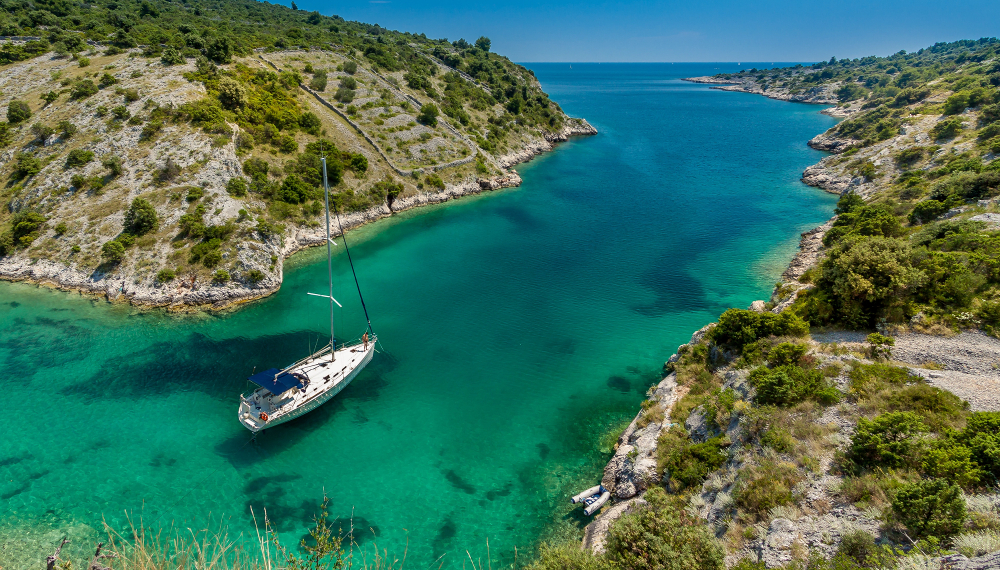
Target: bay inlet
{"points": [[517, 327]]}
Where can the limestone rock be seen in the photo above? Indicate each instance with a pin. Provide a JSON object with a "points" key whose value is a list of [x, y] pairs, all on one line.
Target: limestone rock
{"points": [[821, 177], [831, 143], [758, 306], [633, 467]]}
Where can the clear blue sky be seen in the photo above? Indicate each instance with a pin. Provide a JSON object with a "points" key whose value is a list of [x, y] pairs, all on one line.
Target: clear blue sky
{"points": [[691, 30]]}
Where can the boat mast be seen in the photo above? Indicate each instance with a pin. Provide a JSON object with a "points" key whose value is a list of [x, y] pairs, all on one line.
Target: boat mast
{"points": [[329, 260]]}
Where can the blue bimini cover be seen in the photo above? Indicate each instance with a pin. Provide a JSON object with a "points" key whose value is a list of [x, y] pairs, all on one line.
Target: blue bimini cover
{"points": [[275, 381]]}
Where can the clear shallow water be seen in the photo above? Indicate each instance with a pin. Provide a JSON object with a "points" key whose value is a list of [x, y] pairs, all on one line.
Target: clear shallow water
{"points": [[517, 328]]}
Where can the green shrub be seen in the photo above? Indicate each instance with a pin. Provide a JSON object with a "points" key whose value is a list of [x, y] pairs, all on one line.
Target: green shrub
{"points": [[113, 252], [232, 94], [194, 193], [851, 92], [114, 164], [82, 89], [938, 408], [889, 441], [953, 462], [956, 103], [255, 168], [61, 228], [864, 221], [788, 385], [25, 228], [344, 95], [568, 556], [350, 67], [310, 123], [685, 464], [18, 112], [861, 279], [78, 157], [255, 276], [434, 181], [909, 156], [859, 546], [140, 219], [880, 346], [236, 187], [211, 258], [26, 165], [982, 436], [318, 81], [121, 113], [786, 353], [738, 327], [165, 275], [83, 61], [171, 56], [43, 132], [762, 487], [66, 129], [428, 114], [926, 211], [220, 276], [934, 508], [946, 129], [663, 536]]}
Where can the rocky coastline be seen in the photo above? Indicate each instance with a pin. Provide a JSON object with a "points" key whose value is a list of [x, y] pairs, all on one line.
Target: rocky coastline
{"points": [[193, 296], [819, 95], [958, 368]]}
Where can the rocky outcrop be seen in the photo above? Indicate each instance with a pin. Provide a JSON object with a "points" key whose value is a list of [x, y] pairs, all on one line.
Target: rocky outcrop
{"points": [[574, 127], [185, 295], [633, 467], [595, 536], [817, 533], [810, 248], [822, 94], [825, 179], [831, 143]]}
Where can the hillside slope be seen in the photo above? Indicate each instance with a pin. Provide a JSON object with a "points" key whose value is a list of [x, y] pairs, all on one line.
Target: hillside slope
{"points": [[788, 436], [183, 174]]}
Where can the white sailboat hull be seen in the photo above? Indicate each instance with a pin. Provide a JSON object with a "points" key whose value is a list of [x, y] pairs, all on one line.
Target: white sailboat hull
{"points": [[326, 378]]}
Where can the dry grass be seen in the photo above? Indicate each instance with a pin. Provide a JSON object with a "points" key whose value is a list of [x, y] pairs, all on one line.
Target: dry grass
{"points": [[142, 548]]}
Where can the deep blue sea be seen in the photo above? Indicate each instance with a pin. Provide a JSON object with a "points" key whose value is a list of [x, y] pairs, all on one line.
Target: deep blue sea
{"points": [[517, 328]]}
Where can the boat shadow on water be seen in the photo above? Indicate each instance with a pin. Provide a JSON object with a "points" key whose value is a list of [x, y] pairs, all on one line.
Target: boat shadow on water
{"points": [[282, 438]]}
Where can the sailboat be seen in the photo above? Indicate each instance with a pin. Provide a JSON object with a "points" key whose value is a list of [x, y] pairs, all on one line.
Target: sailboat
{"points": [[287, 393]]}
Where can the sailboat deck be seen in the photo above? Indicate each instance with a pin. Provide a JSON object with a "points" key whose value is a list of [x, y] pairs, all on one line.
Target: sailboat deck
{"points": [[324, 378]]}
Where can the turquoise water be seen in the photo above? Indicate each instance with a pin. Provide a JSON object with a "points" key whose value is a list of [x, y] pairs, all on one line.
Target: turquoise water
{"points": [[516, 328]]}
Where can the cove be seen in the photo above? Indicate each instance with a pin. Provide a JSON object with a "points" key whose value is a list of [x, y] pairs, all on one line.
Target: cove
{"points": [[516, 328]]}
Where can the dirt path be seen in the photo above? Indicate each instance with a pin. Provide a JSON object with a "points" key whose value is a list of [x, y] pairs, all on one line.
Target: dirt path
{"points": [[970, 361]]}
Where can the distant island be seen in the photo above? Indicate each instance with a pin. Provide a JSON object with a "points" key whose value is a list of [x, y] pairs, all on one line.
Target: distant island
{"points": [[155, 156]]}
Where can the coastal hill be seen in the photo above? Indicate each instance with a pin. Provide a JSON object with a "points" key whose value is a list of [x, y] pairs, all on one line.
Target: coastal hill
{"points": [[169, 154], [850, 421]]}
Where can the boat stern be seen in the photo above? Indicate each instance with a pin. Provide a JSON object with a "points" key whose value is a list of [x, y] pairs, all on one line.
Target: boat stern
{"points": [[250, 417]]}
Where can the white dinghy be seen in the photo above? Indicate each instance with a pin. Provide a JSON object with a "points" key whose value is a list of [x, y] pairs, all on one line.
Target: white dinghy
{"points": [[285, 394]]}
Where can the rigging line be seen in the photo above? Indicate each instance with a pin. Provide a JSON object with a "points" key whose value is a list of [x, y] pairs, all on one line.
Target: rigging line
{"points": [[343, 236]]}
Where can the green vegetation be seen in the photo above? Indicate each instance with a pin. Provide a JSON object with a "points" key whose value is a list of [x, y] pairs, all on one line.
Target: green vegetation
{"points": [[791, 384], [18, 112], [78, 157], [141, 218], [932, 508], [113, 252], [660, 535]]}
